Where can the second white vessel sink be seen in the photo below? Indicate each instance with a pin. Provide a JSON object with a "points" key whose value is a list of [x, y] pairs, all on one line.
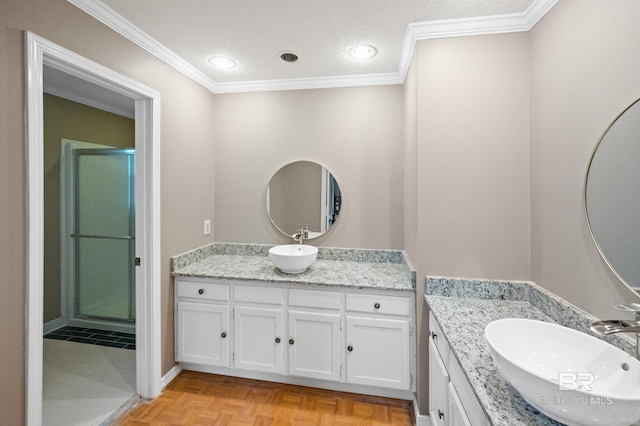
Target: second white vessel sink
{"points": [[293, 258], [570, 376]]}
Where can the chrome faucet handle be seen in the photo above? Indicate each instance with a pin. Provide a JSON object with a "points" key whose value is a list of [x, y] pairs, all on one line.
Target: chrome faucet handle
{"points": [[302, 234], [634, 308], [631, 307]]}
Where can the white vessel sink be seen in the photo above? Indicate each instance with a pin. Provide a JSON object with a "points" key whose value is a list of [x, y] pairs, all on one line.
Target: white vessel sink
{"points": [[570, 376], [293, 258]]}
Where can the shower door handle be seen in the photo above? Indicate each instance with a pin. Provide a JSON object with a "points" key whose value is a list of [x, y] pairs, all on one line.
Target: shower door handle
{"points": [[105, 237], [137, 261]]}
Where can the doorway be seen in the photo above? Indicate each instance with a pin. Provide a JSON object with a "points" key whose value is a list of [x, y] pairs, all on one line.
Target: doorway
{"points": [[40, 53]]}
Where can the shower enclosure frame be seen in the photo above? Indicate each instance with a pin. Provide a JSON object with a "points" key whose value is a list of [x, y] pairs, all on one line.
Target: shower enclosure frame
{"points": [[71, 236]]}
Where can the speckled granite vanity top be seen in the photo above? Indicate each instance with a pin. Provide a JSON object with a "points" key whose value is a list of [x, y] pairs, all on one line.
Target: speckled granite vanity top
{"points": [[463, 308], [353, 268]]}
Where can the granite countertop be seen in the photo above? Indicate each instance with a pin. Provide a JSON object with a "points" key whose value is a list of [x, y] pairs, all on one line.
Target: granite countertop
{"points": [[353, 268], [463, 308]]}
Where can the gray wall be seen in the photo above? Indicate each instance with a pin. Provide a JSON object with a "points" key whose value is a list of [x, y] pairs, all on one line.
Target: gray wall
{"points": [[584, 72], [355, 132], [467, 164], [186, 158]]}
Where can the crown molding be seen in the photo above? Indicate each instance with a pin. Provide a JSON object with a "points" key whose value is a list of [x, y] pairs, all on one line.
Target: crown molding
{"points": [[311, 83], [106, 15], [447, 28], [517, 22], [496, 24]]}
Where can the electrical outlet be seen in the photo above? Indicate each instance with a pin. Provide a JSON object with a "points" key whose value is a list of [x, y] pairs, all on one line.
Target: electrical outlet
{"points": [[207, 227]]}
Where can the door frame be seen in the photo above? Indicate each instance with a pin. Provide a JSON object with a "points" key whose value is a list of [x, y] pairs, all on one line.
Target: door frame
{"points": [[40, 52]]}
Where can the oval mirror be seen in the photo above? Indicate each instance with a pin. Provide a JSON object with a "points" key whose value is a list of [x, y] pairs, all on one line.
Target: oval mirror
{"points": [[612, 196], [303, 193]]}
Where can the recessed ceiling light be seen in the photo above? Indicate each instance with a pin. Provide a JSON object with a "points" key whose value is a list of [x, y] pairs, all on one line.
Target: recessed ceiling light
{"points": [[363, 51], [289, 57], [222, 62]]}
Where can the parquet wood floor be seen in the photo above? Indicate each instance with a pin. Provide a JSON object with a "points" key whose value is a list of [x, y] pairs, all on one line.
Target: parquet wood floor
{"points": [[206, 399]]}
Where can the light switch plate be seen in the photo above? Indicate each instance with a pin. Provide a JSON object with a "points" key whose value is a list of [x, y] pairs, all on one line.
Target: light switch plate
{"points": [[207, 227]]}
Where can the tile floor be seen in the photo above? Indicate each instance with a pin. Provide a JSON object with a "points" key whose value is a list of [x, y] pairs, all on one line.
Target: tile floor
{"points": [[83, 383], [93, 336]]}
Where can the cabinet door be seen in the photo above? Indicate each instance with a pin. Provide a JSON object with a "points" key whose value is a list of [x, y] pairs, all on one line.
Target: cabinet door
{"points": [[201, 333], [258, 338], [438, 388], [314, 345], [378, 352], [457, 415]]}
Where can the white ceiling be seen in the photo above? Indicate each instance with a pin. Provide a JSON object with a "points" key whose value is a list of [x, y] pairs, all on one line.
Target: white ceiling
{"points": [[254, 33]]}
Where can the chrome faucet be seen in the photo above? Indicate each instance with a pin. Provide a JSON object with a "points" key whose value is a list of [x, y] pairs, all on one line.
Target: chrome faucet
{"points": [[606, 327], [303, 234]]}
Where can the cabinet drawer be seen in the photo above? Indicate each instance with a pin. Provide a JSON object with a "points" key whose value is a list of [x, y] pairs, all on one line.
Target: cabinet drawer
{"points": [[258, 294], [378, 304], [202, 290], [437, 336], [314, 299]]}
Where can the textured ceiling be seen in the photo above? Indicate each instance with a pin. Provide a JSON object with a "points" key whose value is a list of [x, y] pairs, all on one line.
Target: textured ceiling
{"points": [[255, 32]]}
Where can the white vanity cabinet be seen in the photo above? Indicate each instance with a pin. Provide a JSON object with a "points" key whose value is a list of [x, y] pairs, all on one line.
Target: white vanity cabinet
{"points": [[321, 336], [314, 334], [202, 323], [452, 401], [378, 334], [258, 318]]}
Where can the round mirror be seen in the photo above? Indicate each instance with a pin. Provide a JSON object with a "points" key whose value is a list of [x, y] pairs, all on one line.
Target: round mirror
{"points": [[612, 196], [303, 193]]}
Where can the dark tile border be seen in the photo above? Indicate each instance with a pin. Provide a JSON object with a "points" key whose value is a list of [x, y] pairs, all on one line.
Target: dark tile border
{"points": [[92, 336]]}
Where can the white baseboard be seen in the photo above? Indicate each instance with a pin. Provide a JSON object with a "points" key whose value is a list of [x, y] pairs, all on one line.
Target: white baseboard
{"points": [[421, 420], [172, 374], [53, 325]]}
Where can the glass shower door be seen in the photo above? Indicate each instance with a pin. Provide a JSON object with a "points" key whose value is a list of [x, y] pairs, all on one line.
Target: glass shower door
{"points": [[104, 234]]}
